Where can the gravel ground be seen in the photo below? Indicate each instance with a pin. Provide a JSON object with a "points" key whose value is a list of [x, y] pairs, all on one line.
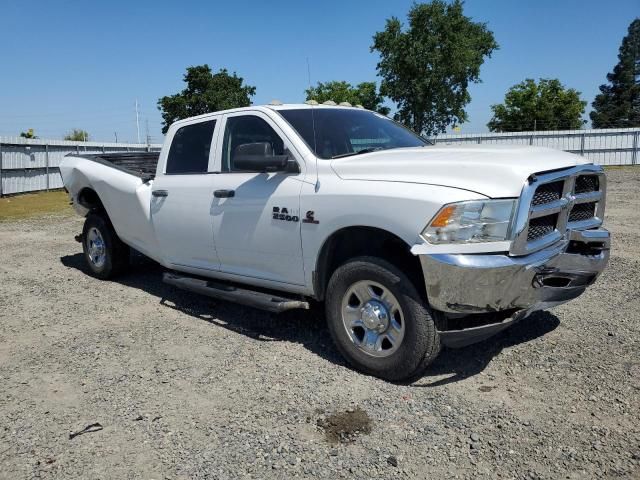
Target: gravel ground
{"points": [[185, 387]]}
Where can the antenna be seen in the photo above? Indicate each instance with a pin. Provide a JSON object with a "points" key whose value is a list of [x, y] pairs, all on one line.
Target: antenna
{"points": [[313, 125], [137, 121]]}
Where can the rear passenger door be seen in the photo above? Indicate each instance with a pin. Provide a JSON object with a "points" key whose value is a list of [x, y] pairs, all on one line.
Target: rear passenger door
{"points": [[182, 196]]}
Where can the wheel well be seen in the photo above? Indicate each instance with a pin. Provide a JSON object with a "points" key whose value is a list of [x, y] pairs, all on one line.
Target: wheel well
{"points": [[88, 198], [360, 241]]}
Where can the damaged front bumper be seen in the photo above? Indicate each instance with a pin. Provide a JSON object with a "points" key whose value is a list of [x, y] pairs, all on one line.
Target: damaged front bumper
{"points": [[459, 284]]}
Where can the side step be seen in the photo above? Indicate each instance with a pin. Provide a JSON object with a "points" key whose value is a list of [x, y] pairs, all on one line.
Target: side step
{"points": [[251, 298]]}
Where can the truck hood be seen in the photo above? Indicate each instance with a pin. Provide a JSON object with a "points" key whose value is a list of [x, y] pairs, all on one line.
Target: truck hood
{"points": [[496, 171]]}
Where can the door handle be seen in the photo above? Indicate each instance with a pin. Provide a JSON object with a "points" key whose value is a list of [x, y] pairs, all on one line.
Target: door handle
{"points": [[224, 193], [160, 193]]}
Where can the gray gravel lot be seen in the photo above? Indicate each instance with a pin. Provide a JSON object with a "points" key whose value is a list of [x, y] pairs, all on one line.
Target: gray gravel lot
{"points": [[185, 387]]}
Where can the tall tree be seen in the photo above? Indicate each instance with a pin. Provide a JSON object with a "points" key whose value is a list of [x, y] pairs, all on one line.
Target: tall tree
{"points": [[427, 67], [365, 94], [28, 134], [77, 135], [206, 92], [546, 105], [618, 103]]}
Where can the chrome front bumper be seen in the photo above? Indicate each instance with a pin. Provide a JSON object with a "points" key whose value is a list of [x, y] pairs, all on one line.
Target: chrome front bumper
{"points": [[477, 283]]}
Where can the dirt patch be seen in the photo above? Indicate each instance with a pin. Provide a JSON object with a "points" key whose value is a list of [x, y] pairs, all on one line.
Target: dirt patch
{"points": [[345, 427]]}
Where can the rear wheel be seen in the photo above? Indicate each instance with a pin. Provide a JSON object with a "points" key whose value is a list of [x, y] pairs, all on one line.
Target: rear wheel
{"points": [[378, 320], [106, 255]]}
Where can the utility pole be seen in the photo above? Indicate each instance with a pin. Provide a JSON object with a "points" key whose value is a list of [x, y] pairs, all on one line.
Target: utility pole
{"points": [[137, 121], [148, 137], [115, 134]]}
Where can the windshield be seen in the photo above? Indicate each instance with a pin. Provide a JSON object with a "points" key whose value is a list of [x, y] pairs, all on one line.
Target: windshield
{"points": [[344, 131]]}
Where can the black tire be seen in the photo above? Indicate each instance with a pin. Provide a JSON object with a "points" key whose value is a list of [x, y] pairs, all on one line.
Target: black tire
{"points": [[420, 344], [116, 253]]}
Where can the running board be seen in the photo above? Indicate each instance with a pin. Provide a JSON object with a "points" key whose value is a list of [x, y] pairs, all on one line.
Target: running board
{"points": [[251, 298]]}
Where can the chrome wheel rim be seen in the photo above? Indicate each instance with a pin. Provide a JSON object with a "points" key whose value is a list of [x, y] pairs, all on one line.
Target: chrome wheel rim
{"points": [[96, 247], [373, 318]]}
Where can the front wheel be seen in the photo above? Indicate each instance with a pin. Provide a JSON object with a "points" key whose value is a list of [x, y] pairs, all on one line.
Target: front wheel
{"points": [[378, 320], [106, 255]]}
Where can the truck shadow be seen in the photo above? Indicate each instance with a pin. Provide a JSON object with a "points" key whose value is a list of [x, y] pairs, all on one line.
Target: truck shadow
{"points": [[460, 364], [308, 328]]}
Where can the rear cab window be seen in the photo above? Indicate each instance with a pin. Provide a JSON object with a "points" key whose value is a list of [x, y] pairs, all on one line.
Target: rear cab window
{"points": [[190, 148]]}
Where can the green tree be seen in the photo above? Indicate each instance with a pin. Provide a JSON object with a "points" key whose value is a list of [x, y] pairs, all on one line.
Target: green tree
{"points": [[365, 94], [618, 103], [426, 68], [546, 105], [28, 134], [77, 135], [206, 92]]}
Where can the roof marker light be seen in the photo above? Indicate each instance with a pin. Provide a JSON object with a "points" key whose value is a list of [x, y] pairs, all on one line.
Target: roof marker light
{"points": [[311, 102], [329, 102], [275, 102], [344, 104]]}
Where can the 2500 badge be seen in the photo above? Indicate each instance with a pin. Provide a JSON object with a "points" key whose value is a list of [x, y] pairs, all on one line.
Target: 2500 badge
{"points": [[283, 214]]}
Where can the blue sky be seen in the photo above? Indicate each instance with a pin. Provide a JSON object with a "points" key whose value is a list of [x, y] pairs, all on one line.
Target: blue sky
{"points": [[69, 64]]}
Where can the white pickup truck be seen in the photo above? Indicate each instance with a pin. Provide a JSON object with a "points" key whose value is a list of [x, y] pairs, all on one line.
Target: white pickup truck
{"points": [[410, 246]]}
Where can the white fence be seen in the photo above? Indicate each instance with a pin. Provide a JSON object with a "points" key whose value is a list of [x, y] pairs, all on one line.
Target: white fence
{"points": [[30, 165], [610, 146]]}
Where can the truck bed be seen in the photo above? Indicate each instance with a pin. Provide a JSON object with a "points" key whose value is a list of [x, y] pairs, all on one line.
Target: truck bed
{"points": [[140, 164]]}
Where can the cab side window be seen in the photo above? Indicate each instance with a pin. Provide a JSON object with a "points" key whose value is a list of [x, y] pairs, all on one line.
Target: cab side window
{"points": [[244, 130], [189, 152]]}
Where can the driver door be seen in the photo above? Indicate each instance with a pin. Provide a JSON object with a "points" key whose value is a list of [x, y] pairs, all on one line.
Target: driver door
{"points": [[256, 214]]}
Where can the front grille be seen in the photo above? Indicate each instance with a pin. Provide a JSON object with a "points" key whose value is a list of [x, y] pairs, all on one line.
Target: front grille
{"points": [[541, 226], [586, 184], [582, 211], [547, 193], [555, 202]]}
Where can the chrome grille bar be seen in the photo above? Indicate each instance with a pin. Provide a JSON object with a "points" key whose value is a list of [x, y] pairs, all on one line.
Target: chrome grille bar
{"points": [[588, 197], [548, 209]]}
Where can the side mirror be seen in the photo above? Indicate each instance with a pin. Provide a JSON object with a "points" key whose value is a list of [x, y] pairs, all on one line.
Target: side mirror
{"points": [[259, 157]]}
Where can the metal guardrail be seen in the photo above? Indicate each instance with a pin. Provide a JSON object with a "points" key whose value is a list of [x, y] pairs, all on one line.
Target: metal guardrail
{"points": [[28, 165]]}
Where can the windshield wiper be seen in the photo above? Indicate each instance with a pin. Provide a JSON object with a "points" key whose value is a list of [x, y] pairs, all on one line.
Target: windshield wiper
{"points": [[364, 150]]}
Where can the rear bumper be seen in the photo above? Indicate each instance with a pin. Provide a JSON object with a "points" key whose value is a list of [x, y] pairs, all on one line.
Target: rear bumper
{"points": [[478, 283]]}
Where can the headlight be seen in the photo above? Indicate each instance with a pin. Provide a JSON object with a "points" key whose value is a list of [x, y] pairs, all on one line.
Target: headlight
{"points": [[471, 222]]}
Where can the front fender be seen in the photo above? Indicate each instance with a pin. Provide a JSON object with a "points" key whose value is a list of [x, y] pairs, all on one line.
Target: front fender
{"points": [[402, 209]]}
